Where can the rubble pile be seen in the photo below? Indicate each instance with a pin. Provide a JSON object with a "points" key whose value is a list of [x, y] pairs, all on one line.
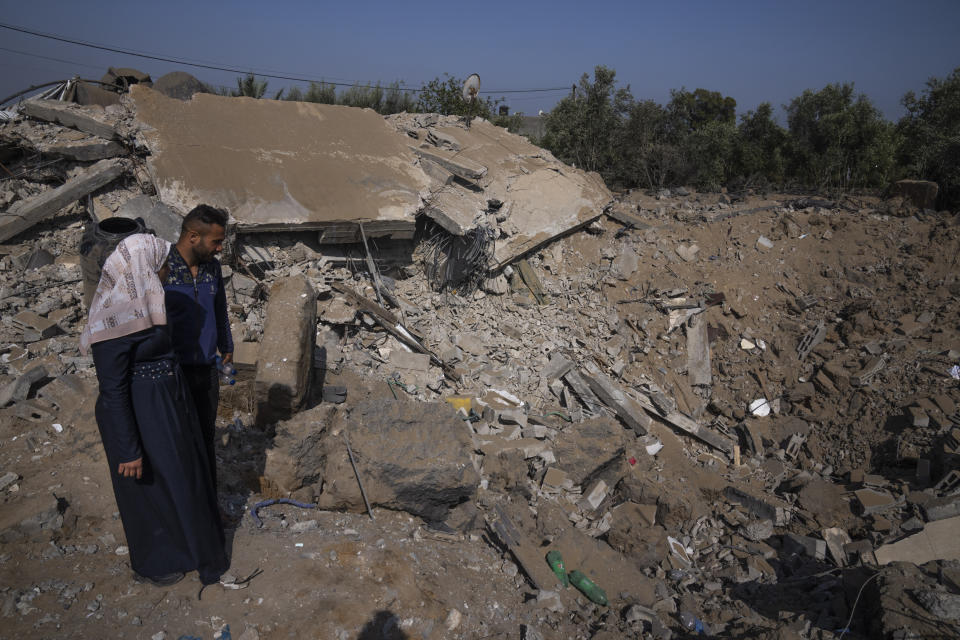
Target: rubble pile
{"points": [[735, 414]]}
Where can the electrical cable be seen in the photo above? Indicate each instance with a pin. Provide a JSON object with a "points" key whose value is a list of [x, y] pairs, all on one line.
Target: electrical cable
{"points": [[213, 67], [37, 55]]}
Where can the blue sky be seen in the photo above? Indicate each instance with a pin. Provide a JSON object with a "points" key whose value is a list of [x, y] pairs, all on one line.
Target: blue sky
{"points": [[754, 51]]}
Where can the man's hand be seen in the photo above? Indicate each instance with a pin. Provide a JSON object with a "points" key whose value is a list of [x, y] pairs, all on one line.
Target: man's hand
{"points": [[132, 469], [228, 358]]}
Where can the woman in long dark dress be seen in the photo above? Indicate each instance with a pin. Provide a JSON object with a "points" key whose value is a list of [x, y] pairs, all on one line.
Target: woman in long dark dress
{"points": [[156, 453]]}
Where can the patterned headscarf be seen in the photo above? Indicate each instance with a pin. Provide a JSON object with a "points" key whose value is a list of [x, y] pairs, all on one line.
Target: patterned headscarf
{"points": [[129, 297]]}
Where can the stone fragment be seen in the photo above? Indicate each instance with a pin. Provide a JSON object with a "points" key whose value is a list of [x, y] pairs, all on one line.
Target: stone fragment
{"points": [[35, 327], [285, 359], [688, 252], [806, 545], [412, 456], [594, 496], [19, 389], [873, 500], [836, 539]]}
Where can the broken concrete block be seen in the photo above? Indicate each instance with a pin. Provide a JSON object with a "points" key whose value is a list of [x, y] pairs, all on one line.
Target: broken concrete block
{"points": [[942, 508], [836, 539], [412, 456], [406, 360], [873, 500], [285, 360], [557, 367], [555, 479], [19, 389], [918, 417], [7, 479], [625, 264], [768, 508], [806, 545], [35, 327], [594, 496], [69, 115]]}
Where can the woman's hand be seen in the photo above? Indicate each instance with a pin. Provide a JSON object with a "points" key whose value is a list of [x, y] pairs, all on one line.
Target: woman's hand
{"points": [[132, 469]]}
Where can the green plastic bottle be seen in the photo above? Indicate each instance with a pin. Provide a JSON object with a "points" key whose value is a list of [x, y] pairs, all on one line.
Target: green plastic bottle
{"points": [[588, 588], [555, 560]]}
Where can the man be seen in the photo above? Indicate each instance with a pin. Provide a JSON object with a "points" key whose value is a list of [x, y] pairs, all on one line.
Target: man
{"points": [[197, 313]]}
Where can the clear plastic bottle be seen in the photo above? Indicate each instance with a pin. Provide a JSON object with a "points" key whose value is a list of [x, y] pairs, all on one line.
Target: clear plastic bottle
{"points": [[225, 372], [692, 622]]}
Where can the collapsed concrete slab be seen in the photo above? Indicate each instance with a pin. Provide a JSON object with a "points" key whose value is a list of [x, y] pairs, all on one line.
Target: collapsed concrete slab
{"points": [[285, 358], [279, 165], [541, 197]]}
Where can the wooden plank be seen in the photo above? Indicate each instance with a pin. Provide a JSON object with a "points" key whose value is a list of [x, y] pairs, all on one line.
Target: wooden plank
{"points": [[69, 115], [27, 213]]}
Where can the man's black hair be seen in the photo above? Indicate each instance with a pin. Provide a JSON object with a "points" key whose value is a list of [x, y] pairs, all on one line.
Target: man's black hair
{"points": [[203, 214]]}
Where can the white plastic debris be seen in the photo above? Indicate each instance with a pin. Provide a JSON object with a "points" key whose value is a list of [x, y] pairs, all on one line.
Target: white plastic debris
{"points": [[760, 407], [955, 372], [58, 427]]}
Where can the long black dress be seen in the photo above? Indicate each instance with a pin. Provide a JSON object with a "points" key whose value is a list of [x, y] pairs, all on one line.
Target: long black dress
{"points": [[170, 515]]}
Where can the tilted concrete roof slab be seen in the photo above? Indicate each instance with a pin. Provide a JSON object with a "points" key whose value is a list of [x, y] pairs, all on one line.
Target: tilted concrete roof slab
{"points": [[277, 165], [546, 198]]}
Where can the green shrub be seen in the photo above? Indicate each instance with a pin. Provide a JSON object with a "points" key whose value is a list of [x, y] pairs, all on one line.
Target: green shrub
{"points": [[929, 147]]}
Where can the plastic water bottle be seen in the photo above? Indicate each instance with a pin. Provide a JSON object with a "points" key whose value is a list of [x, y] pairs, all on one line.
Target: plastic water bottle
{"points": [[225, 372], [587, 587], [555, 560]]}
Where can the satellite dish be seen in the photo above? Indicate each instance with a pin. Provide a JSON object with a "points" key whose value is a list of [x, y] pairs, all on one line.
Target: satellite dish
{"points": [[471, 88]]}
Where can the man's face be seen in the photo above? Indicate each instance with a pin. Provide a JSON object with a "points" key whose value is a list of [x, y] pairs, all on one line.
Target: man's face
{"points": [[207, 242]]}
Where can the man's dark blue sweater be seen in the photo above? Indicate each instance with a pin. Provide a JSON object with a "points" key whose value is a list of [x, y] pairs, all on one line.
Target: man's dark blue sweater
{"points": [[197, 311]]}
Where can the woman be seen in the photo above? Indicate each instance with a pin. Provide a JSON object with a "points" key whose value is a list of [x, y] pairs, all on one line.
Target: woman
{"points": [[158, 463]]}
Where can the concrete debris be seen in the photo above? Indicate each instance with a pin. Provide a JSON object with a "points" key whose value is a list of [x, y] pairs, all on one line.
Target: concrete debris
{"points": [[70, 115], [285, 357], [26, 213], [550, 405]]}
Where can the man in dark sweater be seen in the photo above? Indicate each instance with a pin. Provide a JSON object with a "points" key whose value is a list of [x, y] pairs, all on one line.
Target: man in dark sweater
{"points": [[197, 313]]}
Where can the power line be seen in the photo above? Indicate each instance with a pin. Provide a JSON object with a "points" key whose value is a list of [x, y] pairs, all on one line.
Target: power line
{"points": [[37, 55], [212, 67]]}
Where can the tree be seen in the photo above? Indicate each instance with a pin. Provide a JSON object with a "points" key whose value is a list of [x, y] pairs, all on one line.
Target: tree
{"points": [[693, 111], [646, 157], [321, 92], [930, 143], [761, 147], [583, 129], [294, 94], [839, 140], [248, 86]]}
